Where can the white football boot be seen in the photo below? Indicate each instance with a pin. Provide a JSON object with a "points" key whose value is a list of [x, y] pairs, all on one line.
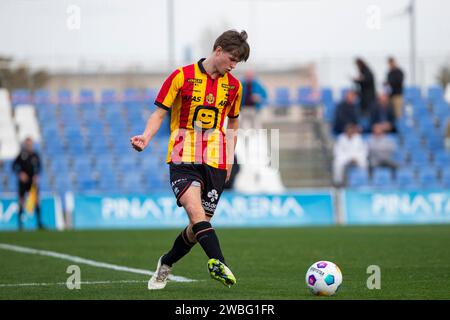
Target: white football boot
{"points": [[159, 278]]}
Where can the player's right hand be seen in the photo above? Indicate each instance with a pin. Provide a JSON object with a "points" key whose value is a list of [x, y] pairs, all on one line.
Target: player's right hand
{"points": [[139, 143]]}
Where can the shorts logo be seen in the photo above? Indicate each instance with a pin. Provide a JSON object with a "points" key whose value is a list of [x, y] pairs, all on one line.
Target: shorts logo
{"points": [[174, 183], [213, 195]]}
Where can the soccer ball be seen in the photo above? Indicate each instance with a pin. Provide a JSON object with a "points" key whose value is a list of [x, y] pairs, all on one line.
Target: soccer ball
{"points": [[323, 278]]}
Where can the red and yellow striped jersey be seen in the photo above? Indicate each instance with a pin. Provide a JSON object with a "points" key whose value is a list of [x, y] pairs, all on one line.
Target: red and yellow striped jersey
{"points": [[199, 105]]}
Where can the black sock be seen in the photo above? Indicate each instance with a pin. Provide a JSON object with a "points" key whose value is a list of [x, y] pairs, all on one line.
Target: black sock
{"points": [[206, 236], [19, 217], [38, 216], [180, 248]]}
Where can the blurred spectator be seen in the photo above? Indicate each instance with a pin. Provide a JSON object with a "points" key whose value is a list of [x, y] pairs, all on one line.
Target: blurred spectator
{"points": [[349, 150], [382, 112], [381, 149], [234, 171], [366, 86], [27, 166], [253, 96], [447, 135], [345, 113], [394, 81]]}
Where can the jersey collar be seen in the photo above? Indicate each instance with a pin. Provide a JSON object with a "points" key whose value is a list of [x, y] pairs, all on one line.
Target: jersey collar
{"points": [[200, 65]]}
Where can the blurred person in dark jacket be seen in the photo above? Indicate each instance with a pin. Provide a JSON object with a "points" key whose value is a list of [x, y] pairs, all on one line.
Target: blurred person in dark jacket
{"points": [[366, 86], [394, 82], [382, 112], [346, 112], [27, 166], [253, 97]]}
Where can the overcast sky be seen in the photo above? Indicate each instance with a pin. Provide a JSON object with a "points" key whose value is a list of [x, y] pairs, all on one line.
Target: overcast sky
{"points": [[135, 32]]}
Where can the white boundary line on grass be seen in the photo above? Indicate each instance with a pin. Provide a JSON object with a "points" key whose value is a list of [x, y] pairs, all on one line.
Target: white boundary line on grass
{"points": [[93, 263], [37, 284]]}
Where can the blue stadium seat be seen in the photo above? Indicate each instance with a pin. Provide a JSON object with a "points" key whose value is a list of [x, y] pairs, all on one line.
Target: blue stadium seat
{"points": [[63, 186], [64, 97], [109, 183], [149, 96], [59, 168], [382, 178], [308, 97], [11, 183], [326, 95], [412, 94], [86, 97], [82, 163], [131, 183], [412, 142], [405, 178], [419, 158], [426, 124], [329, 111], [131, 95], [357, 178], [42, 96], [405, 126], [282, 97], [435, 142], [435, 93], [125, 164], [428, 178], [44, 182], [90, 115], [442, 158], [109, 96], [86, 184], [446, 177], [21, 96]]}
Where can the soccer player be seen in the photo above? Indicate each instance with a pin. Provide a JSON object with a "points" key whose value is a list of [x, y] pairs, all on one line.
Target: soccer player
{"points": [[200, 153], [27, 166]]}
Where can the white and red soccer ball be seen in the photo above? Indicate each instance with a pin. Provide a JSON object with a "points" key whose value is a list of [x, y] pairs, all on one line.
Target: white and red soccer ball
{"points": [[323, 278]]}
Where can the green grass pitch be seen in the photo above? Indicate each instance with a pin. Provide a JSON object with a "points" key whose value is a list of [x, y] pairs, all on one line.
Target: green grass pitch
{"points": [[268, 263]]}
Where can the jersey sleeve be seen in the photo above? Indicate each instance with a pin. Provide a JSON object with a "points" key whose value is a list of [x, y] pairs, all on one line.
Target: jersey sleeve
{"points": [[236, 104], [169, 90]]}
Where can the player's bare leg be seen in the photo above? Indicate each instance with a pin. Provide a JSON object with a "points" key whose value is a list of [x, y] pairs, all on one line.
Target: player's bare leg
{"points": [[205, 234], [182, 245]]}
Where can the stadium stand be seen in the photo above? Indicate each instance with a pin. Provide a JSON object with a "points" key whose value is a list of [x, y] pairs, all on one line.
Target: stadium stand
{"points": [[83, 139], [83, 142], [421, 153]]}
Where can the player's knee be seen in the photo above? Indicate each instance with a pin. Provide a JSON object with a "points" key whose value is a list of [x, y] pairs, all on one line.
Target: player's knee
{"points": [[190, 234]]}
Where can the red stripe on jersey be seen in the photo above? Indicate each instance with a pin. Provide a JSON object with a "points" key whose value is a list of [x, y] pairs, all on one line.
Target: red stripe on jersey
{"points": [[166, 87], [232, 81], [214, 85], [189, 73]]}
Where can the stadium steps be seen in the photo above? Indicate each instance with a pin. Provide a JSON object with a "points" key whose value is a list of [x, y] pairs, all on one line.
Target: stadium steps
{"points": [[304, 153]]}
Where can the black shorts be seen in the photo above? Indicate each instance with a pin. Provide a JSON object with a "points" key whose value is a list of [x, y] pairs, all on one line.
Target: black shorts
{"points": [[211, 180], [24, 187]]}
